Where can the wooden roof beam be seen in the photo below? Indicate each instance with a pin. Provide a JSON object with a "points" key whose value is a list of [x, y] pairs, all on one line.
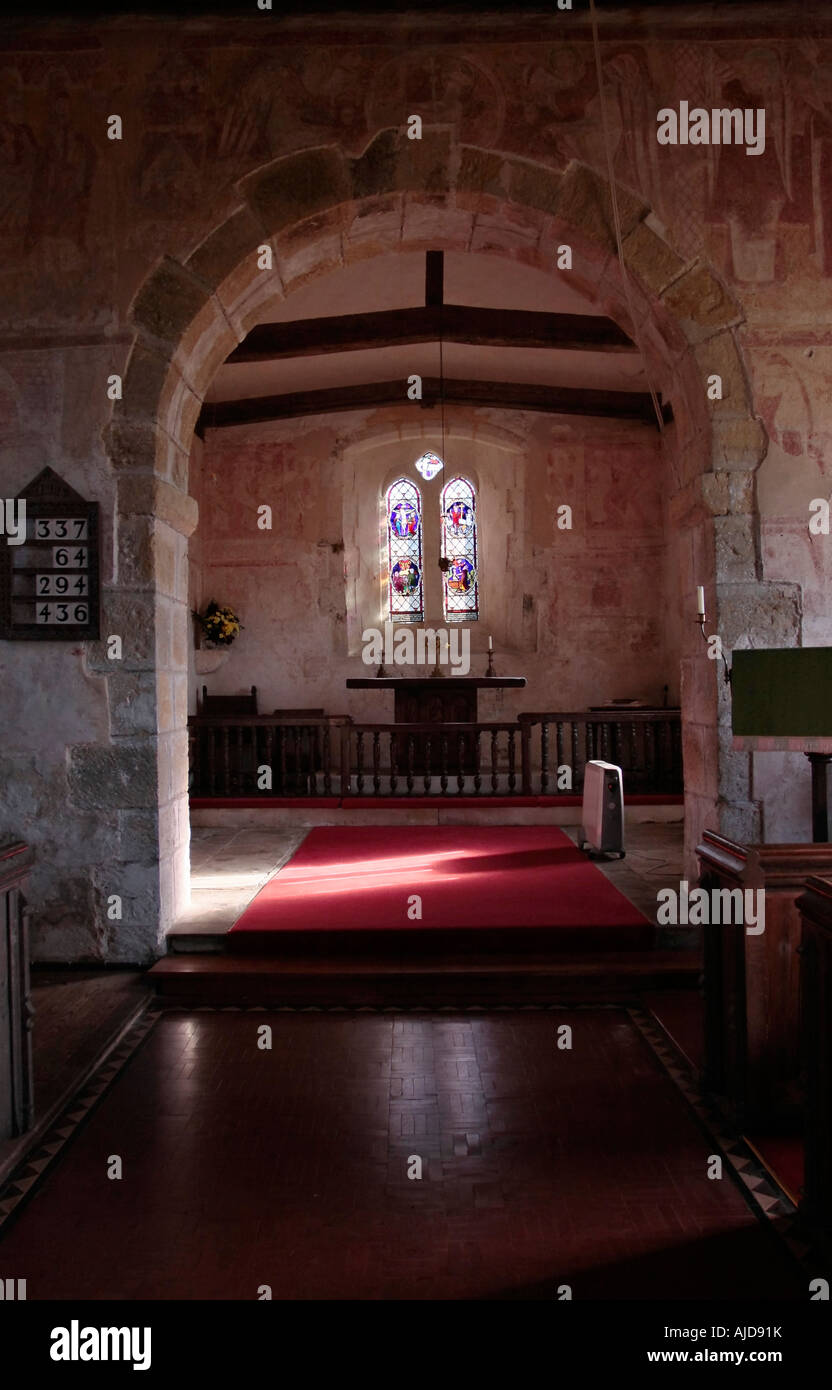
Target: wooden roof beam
{"points": [[554, 400], [455, 323]]}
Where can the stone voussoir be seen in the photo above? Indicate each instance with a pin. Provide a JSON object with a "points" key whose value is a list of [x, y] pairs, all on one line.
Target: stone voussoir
{"points": [[740, 443], [298, 186], [149, 383], [168, 301], [219, 255], [483, 172], [701, 303], [392, 163], [535, 187], [720, 356], [585, 203], [649, 258]]}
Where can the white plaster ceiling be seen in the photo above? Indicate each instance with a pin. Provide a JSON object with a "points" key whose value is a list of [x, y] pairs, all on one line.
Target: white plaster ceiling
{"points": [[398, 281]]}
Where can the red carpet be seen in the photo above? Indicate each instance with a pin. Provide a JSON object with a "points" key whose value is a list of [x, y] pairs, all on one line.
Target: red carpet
{"points": [[527, 881]]}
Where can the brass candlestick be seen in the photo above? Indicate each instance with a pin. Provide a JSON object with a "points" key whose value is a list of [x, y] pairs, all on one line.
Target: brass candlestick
{"points": [[490, 669]]}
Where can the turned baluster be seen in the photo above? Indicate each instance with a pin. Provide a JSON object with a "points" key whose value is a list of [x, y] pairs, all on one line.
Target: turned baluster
{"points": [[212, 760], [394, 763], [411, 753], [650, 756], [477, 758], [443, 762], [226, 762], [511, 761], [427, 778], [326, 757], [494, 758], [460, 762], [281, 741], [376, 761], [544, 754], [359, 760]]}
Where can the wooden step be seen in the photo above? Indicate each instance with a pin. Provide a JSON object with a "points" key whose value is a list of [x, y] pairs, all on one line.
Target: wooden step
{"points": [[432, 981]]}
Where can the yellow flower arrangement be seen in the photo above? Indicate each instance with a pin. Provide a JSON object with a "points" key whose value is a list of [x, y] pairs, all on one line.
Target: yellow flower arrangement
{"points": [[219, 624]]}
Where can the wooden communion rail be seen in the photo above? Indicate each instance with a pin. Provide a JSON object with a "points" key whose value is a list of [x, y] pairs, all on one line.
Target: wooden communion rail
{"points": [[539, 754]]}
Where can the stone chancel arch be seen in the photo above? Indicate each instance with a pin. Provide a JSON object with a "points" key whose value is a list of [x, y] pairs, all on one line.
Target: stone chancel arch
{"points": [[317, 210]]}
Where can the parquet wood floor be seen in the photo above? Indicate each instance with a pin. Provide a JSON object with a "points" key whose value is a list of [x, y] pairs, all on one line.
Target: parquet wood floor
{"points": [[541, 1166]]}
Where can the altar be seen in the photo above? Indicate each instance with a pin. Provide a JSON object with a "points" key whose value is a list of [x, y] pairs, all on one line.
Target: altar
{"points": [[436, 699]]}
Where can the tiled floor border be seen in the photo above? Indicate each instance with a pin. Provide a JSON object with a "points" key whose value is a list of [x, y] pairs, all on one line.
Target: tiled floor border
{"points": [[769, 1202], [46, 1151]]}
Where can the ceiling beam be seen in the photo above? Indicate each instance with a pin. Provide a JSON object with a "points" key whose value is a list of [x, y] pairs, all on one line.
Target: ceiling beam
{"points": [[455, 323], [554, 400]]}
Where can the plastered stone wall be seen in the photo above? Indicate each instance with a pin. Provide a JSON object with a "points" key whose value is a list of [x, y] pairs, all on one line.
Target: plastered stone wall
{"points": [[139, 257]]}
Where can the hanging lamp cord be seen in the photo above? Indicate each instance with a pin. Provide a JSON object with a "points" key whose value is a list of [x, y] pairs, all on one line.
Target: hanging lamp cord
{"points": [[615, 216]]}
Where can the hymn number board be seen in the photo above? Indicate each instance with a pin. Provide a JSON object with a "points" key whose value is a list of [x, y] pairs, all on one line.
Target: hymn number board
{"points": [[49, 583]]}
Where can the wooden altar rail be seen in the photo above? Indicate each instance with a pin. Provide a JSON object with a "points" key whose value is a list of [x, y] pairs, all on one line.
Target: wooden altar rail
{"points": [[645, 744], [422, 759], [301, 754], [333, 755]]}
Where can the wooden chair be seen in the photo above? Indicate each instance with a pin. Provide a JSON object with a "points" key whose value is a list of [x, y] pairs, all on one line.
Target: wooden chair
{"points": [[241, 750], [226, 706]]}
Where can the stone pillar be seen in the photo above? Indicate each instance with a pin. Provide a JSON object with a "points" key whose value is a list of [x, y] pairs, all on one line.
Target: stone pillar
{"points": [[142, 775]]}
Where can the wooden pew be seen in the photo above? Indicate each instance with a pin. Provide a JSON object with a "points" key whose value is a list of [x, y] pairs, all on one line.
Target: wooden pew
{"points": [[815, 907], [752, 983]]}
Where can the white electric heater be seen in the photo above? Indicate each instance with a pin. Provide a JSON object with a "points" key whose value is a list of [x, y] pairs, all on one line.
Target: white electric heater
{"points": [[602, 817]]}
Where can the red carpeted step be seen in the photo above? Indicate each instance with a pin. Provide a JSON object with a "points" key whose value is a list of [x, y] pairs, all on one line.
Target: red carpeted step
{"points": [[478, 886]]}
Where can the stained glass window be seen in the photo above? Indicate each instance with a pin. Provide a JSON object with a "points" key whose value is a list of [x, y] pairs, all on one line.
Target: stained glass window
{"points": [[459, 546], [404, 552], [429, 465]]}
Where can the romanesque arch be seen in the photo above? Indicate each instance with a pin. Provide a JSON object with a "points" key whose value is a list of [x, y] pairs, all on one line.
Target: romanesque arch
{"points": [[318, 209]]}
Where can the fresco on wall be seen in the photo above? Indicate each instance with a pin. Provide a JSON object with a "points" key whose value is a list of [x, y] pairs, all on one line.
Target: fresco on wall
{"points": [[445, 89], [208, 116], [57, 254]]}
